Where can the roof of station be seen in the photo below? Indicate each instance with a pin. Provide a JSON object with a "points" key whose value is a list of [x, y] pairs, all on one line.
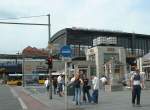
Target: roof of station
{"points": [[94, 31]]}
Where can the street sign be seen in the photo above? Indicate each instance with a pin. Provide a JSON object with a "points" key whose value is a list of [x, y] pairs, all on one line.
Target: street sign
{"points": [[66, 51]]}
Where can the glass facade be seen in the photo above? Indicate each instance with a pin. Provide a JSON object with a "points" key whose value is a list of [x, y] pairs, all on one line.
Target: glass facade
{"points": [[110, 56], [78, 50]]}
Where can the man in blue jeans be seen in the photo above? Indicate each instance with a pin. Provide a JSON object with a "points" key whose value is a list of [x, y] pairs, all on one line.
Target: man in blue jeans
{"points": [[95, 83], [136, 83]]}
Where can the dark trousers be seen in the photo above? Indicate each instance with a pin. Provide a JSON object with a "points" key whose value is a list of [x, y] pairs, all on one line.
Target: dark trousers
{"points": [[136, 92], [55, 89], [73, 93], [86, 92], [95, 96], [60, 88]]}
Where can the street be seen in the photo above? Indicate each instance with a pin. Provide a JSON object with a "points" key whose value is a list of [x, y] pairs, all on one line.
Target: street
{"points": [[14, 98], [7, 100], [36, 98]]}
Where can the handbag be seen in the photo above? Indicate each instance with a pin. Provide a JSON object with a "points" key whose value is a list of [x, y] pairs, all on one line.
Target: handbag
{"points": [[88, 87]]}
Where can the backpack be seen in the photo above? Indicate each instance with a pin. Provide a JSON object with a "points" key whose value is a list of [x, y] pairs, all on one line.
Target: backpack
{"points": [[137, 77]]}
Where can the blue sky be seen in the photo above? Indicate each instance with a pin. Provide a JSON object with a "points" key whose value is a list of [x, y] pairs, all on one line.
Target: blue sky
{"points": [[122, 15]]}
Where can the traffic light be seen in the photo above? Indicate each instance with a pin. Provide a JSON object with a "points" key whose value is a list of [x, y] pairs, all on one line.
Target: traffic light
{"points": [[50, 62]]}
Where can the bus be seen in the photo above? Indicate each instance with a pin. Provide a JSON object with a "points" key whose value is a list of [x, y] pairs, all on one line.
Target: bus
{"points": [[14, 79], [17, 79], [42, 78]]}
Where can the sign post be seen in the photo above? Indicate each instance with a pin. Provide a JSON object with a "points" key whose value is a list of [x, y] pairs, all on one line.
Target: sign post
{"points": [[66, 52]]}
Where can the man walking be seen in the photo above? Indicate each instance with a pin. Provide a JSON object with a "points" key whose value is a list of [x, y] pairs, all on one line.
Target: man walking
{"points": [[47, 84], [60, 85], [136, 83], [95, 83]]}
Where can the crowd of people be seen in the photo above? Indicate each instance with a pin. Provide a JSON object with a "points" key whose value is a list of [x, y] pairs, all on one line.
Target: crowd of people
{"points": [[81, 86], [86, 89]]}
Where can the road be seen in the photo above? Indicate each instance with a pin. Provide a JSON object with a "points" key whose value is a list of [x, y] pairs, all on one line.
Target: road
{"points": [[7, 100], [15, 98]]}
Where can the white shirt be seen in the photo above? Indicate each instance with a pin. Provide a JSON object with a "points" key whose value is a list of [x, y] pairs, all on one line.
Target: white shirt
{"points": [[136, 82], [46, 82], [95, 83], [59, 79], [103, 79], [72, 79]]}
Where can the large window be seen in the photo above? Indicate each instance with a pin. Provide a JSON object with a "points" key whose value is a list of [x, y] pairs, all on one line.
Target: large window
{"points": [[78, 50], [110, 56], [92, 57], [92, 70]]}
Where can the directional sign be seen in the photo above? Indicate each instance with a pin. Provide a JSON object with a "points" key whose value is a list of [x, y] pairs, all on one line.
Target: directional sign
{"points": [[66, 51]]}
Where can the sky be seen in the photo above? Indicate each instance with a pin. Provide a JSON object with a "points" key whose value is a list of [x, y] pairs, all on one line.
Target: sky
{"points": [[118, 15]]}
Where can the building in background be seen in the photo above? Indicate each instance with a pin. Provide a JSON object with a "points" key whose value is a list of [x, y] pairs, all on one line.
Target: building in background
{"points": [[136, 45], [110, 61]]}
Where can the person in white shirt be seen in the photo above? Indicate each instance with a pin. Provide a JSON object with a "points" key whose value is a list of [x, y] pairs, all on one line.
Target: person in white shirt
{"points": [[60, 85], [136, 83], [95, 83], [71, 84], [103, 80], [47, 84]]}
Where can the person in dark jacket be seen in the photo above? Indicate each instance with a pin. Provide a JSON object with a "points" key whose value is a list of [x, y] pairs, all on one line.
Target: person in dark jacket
{"points": [[86, 88], [55, 85]]}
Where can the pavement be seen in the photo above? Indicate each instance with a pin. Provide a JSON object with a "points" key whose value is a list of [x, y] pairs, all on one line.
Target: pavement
{"points": [[36, 98], [28, 101], [120, 100]]}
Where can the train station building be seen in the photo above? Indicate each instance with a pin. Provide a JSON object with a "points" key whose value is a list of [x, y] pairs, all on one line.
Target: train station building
{"points": [[136, 45]]}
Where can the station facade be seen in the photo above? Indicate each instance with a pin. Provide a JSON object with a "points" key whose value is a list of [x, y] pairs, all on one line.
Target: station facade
{"points": [[80, 40]]}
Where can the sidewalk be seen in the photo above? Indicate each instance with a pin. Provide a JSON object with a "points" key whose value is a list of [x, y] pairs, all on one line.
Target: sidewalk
{"points": [[107, 101]]}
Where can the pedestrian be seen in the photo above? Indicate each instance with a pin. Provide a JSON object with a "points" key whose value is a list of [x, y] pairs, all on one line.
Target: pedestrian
{"points": [[71, 84], [104, 82], [60, 85], [86, 88], [103, 79], [63, 84], [95, 84], [55, 85], [47, 84], [137, 82], [77, 85]]}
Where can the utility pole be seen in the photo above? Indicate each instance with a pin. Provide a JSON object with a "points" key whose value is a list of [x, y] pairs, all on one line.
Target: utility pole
{"points": [[49, 69]]}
